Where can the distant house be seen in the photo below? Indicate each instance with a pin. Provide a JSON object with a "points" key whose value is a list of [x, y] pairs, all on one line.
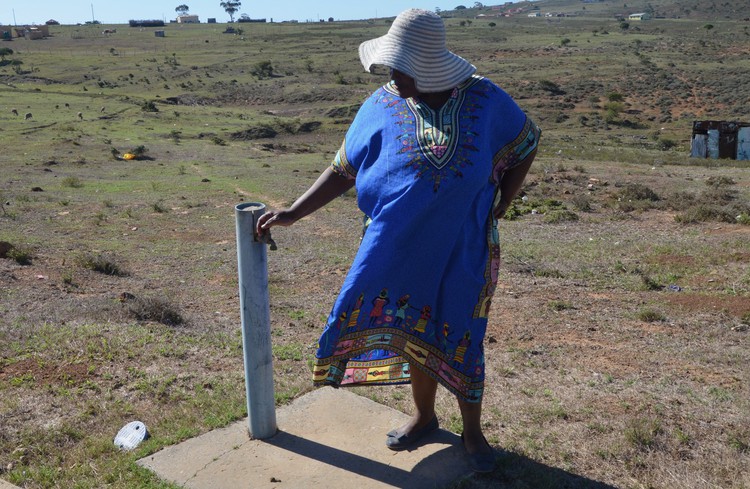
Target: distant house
{"points": [[188, 19], [52, 22], [535, 14], [639, 16], [721, 139]]}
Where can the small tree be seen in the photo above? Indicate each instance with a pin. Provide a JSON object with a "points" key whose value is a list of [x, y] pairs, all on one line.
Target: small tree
{"points": [[182, 9], [231, 8], [5, 52]]}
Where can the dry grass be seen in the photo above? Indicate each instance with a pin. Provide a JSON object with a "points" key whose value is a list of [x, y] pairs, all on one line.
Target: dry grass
{"points": [[617, 344]]}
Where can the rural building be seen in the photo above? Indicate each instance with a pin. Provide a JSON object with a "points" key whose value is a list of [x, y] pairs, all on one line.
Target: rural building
{"points": [[188, 19], [535, 14], [640, 16], [31, 31], [720, 139], [211, 20]]}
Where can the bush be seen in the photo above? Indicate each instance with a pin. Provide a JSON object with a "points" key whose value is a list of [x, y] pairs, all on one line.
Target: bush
{"points": [[637, 191], [651, 316], [72, 182], [262, 69], [149, 106], [560, 215], [101, 264], [665, 144], [551, 87], [705, 213], [582, 203], [22, 256], [155, 309]]}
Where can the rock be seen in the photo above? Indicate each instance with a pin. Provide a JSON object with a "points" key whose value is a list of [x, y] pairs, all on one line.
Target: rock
{"points": [[5, 248]]}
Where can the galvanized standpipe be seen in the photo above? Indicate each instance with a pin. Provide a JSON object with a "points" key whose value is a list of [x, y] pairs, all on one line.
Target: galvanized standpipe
{"points": [[252, 266]]}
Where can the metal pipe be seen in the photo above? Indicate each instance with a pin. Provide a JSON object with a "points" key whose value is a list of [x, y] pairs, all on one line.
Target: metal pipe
{"points": [[252, 266]]}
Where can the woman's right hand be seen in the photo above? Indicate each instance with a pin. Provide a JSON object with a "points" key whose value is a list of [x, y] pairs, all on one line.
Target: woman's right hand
{"points": [[274, 218]]}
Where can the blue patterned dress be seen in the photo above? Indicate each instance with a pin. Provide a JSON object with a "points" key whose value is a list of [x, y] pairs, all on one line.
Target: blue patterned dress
{"points": [[419, 289]]}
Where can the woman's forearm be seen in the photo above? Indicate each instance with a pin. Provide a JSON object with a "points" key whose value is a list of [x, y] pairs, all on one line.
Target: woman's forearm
{"points": [[327, 187]]}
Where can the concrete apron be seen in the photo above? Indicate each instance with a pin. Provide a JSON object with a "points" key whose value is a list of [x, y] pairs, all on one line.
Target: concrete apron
{"points": [[328, 438]]}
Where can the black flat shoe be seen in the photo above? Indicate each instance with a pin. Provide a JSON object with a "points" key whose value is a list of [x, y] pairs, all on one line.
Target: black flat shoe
{"points": [[483, 462], [396, 442]]}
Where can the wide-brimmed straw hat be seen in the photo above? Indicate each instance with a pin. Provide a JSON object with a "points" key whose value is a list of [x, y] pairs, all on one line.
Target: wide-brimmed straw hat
{"points": [[415, 45]]}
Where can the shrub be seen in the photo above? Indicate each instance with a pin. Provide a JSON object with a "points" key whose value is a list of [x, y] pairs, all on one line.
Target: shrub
{"points": [[637, 191], [101, 264], [705, 213], [721, 181], [642, 433], [665, 144], [154, 309], [139, 151], [582, 203], [651, 316], [262, 69], [72, 182], [560, 215], [149, 106], [22, 256], [551, 87]]}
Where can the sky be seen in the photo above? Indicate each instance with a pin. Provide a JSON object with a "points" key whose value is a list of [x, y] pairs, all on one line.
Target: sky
{"points": [[120, 12]]}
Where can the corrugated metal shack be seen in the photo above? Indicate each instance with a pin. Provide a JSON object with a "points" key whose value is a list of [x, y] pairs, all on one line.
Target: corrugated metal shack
{"points": [[721, 139]]}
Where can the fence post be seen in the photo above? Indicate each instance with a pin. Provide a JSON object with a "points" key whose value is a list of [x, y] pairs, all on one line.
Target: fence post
{"points": [[252, 266]]}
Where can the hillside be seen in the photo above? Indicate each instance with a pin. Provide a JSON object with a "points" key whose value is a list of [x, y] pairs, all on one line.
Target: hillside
{"points": [[671, 9], [617, 346]]}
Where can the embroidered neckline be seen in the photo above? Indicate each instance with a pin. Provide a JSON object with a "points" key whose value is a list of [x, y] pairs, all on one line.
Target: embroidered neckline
{"points": [[438, 142], [438, 131]]}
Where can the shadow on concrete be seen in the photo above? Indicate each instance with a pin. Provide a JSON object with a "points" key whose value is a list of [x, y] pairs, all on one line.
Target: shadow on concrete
{"points": [[444, 468], [435, 470], [515, 471]]}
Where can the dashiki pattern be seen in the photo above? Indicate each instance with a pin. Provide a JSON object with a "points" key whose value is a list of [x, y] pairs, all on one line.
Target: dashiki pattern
{"points": [[420, 286]]}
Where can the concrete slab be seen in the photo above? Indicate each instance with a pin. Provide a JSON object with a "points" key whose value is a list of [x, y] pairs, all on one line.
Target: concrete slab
{"points": [[7, 485], [328, 438]]}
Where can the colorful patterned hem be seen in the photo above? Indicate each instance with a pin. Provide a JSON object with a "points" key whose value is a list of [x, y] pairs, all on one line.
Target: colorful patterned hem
{"points": [[340, 370]]}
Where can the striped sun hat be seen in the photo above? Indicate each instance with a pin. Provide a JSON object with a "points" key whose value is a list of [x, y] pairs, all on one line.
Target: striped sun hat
{"points": [[415, 45]]}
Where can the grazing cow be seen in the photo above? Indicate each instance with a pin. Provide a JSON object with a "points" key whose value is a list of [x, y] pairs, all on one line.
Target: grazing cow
{"points": [[80, 115], [67, 105], [14, 112], [101, 110], [28, 116]]}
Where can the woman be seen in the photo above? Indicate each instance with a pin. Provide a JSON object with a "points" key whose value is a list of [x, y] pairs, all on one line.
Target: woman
{"points": [[436, 156]]}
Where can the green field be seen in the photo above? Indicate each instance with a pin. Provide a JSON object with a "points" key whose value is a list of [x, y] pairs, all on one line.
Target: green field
{"points": [[617, 348]]}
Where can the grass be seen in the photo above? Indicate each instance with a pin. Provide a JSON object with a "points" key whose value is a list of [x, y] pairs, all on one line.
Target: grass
{"points": [[598, 373], [102, 264]]}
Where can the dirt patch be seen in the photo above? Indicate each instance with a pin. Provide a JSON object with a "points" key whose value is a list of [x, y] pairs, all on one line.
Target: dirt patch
{"points": [[45, 373], [733, 305]]}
